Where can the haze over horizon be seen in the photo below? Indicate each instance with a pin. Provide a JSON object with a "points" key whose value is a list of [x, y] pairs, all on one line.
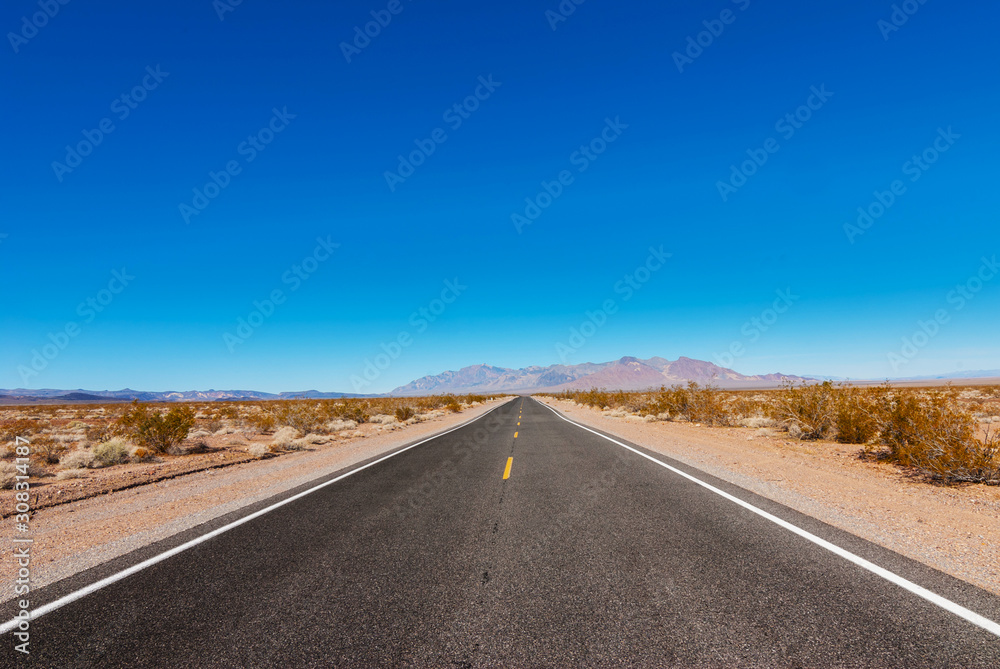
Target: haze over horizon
{"points": [[635, 249]]}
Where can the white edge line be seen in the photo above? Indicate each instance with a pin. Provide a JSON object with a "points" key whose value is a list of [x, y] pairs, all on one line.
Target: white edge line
{"points": [[946, 604], [114, 578]]}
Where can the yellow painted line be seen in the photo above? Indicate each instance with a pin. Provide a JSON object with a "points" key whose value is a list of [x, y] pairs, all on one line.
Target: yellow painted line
{"points": [[506, 472], [515, 435], [518, 422]]}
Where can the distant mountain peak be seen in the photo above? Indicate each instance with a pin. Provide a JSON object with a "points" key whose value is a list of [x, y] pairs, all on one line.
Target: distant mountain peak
{"points": [[626, 373]]}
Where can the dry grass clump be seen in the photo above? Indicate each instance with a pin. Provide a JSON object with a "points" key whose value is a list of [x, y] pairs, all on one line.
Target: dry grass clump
{"points": [[284, 439], [936, 431], [78, 459], [259, 451], [338, 425], [8, 475], [114, 452]]}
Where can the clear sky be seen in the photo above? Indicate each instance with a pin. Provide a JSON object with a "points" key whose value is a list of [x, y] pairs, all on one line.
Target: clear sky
{"points": [[115, 113]]}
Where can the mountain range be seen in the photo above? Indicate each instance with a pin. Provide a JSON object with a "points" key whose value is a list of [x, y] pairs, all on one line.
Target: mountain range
{"points": [[627, 373], [50, 395]]}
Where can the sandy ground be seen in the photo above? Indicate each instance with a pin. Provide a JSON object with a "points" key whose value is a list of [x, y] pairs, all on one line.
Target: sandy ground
{"points": [[75, 536], [955, 529]]}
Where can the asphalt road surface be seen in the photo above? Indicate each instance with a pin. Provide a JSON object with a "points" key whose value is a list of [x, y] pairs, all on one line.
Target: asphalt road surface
{"points": [[518, 539]]}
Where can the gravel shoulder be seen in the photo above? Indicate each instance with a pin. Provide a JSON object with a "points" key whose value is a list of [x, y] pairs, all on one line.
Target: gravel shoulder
{"points": [[954, 529], [70, 537]]}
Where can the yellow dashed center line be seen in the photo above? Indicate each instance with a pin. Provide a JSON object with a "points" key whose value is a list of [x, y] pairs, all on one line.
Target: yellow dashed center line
{"points": [[506, 472], [515, 435]]}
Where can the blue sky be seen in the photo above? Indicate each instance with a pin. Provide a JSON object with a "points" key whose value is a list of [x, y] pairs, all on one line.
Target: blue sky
{"points": [[328, 130]]}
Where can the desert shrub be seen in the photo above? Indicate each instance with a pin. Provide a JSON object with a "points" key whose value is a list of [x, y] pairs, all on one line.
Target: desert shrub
{"points": [[99, 433], [860, 414], [49, 448], [938, 438], [262, 421], [154, 430], [140, 454], [696, 403], [18, 427], [743, 407], [707, 405], [676, 401], [355, 410], [229, 411], [302, 415], [78, 459], [452, 404], [404, 413], [811, 408], [114, 452]]}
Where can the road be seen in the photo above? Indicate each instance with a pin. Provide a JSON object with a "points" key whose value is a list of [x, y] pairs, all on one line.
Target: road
{"points": [[518, 539]]}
